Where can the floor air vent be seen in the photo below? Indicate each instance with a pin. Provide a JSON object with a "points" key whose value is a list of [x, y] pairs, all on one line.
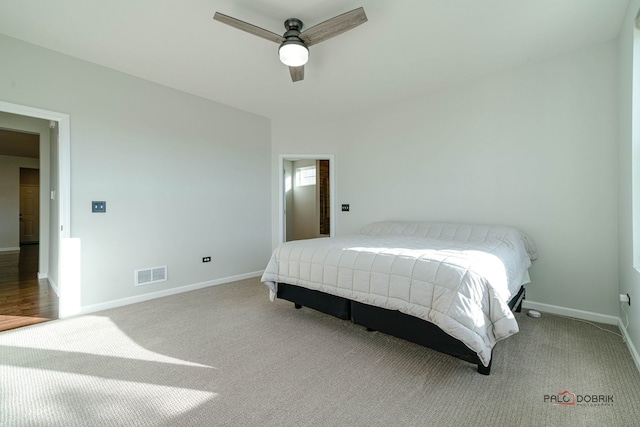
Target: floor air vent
{"points": [[147, 276]]}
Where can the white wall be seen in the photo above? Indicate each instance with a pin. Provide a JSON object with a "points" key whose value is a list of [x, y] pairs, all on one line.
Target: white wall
{"points": [[305, 218], [628, 150], [534, 147], [183, 177]]}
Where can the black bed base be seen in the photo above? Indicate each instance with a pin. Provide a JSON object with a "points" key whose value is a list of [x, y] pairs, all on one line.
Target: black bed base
{"points": [[326, 303], [391, 322]]}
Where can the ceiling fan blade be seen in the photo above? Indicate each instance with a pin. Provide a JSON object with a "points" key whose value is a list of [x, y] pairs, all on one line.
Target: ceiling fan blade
{"points": [[333, 27], [297, 73], [249, 28]]}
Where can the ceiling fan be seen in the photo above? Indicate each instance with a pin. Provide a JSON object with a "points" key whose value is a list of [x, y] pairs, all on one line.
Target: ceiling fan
{"points": [[294, 43]]}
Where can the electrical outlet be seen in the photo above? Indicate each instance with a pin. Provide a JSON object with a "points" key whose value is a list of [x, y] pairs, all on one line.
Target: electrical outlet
{"points": [[206, 259], [625, 298]]}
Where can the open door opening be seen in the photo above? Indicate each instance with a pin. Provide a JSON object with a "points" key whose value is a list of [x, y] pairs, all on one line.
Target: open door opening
{"points": [[306, 195], [55, 226]]}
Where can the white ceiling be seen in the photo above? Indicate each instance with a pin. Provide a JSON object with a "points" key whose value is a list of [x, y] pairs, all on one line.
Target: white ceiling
{"points": [[406, 49]]}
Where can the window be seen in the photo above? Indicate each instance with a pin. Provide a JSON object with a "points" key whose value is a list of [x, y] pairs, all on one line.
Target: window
{"points": [[305, 176]]}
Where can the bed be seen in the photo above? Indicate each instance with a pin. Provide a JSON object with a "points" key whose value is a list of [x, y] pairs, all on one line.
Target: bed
{"points": [[450, 287]]}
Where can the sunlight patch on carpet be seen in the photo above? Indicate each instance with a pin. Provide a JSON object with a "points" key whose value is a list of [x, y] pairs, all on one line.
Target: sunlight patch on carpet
{"points": [[94, 335], [65, 398]]}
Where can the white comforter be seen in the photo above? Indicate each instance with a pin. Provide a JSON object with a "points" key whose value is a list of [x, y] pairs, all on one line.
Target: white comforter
{"points": [[459, 277]]}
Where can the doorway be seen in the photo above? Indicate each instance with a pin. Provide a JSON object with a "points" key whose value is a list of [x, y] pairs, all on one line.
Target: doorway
{"points": [[306, 193], [55, 241]]}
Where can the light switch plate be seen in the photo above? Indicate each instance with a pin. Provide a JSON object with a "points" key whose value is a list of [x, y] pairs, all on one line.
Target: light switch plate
{"points": [[98, 206]]}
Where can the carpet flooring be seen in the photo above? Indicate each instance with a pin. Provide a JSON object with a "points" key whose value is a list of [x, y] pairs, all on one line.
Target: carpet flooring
{"points": [[226, 356]]}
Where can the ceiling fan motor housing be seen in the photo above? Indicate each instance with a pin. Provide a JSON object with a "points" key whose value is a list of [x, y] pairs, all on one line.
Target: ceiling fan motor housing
{"points": [[293, 27], [293, 24]]}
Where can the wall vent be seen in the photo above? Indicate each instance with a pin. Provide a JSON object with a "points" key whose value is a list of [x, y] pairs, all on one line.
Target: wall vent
{"points": [[146, 276]]}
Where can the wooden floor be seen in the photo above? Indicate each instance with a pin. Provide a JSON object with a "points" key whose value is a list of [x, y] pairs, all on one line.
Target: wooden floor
{"points": [[24, 300]]}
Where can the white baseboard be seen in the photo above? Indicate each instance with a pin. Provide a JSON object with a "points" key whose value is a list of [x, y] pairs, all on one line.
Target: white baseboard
{"points": [[54, 286], [630, 346], [16, 249], [571, 312], [153, 295], [42, 276]]}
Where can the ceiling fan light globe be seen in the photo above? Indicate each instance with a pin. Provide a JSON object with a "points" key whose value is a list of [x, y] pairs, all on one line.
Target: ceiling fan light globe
{"points": [[293, 54]]}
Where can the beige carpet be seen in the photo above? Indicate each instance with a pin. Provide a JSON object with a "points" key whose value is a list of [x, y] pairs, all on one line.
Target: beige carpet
{"points": [[227, 356]]}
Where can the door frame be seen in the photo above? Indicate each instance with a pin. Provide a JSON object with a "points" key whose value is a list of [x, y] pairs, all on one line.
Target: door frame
{"points": [[63, 190], [281, 195]]}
